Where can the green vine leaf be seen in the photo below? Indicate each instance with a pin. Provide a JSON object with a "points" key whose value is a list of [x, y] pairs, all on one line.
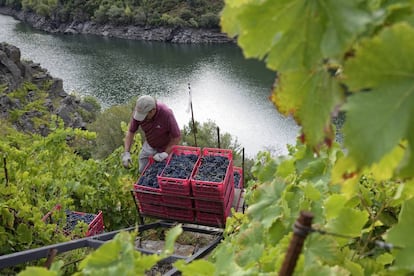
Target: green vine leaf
{"points": [[222, 255], [24, 233], [117, 257], [197, 267], [171, 237], [401, 235], [321, 248], [293, 34], [388, 106], [37, 271], [266, 207], [348, 222], [310, 98]]}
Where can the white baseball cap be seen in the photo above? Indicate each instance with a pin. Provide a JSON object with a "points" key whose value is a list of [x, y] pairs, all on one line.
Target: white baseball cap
{"points": [[144, 105]]}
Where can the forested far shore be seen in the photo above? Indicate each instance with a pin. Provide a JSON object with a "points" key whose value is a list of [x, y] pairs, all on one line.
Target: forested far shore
{"points": [[161, 20]]}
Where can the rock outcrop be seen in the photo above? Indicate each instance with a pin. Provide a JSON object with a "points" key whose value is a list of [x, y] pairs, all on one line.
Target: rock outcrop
{"points": [[14, 74], [161, 34]]}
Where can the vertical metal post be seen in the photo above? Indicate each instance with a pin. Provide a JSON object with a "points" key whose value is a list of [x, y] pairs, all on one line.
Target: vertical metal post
{"points": [[6, 176], [300, 232], [218, 138], [243, 168], [141, 220], [192, 115]]}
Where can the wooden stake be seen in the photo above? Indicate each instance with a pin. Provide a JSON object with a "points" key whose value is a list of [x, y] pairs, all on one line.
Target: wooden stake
{"points": [[300, 232]]}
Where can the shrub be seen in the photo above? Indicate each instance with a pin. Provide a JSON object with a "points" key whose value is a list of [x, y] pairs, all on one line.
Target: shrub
{"points": [[115, 13], [172, 21], [93, 102], [154, 19], [186, 14], [209, 20], [100, 14], [170, 4], [195, 3], [192, 23], [15, 4], [140, 18], [109, 135]]}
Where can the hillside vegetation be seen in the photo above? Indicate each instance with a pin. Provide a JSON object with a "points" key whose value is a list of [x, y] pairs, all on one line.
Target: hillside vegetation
{"points": [[172, 13]]}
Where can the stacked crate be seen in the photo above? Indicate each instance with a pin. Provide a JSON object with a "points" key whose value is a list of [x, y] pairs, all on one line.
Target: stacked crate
{"points": [[213, 199], [176, 191], [185, 197], [238, 177], [238, 186], [148, 194]]}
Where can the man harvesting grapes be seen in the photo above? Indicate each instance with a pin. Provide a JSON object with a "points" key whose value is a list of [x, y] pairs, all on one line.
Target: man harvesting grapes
{"points": [[160, 128]]}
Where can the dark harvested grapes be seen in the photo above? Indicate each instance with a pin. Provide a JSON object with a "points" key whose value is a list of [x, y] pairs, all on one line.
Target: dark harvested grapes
{"points": [[73, 218], [236, 176], [149, 177], [212, 168], [180, 166]]}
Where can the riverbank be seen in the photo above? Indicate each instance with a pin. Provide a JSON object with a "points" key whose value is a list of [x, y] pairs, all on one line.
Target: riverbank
{"points": [[160, 34]]}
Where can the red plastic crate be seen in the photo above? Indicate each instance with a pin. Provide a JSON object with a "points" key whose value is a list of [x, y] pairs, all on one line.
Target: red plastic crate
{"points": [[208, 189], [96, 226], [180, 214], [217, 151], [152, 209], [177, 185], [214, 206], [208, 218], [144, 193], [147, 194], [240, 172], [174, 200], [214, 190]]}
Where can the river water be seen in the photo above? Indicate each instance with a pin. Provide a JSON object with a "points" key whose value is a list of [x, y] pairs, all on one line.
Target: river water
{"points": [[225, 87]]}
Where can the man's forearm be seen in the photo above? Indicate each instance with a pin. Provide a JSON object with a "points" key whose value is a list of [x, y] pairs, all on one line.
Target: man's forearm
{"points": [[129, 137], [174, 141]]}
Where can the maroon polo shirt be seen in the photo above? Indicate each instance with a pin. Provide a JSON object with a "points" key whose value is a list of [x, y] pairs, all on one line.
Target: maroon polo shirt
{"points": [[160, 129]]}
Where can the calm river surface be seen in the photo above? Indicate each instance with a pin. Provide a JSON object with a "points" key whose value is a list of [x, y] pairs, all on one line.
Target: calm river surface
{"points": [[226, 88]]}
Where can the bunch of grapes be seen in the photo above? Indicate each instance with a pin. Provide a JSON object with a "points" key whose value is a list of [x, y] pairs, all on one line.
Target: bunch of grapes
{"points": [[212, 168], [72, 218], [149, 177], [180, 166], [237, 177]]}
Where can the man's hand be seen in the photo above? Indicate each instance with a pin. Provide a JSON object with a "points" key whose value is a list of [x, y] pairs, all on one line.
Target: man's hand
{"points": [[126, 159], [160, 156]]}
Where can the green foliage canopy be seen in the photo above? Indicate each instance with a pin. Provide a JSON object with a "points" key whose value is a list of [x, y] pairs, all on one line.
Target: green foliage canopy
{"points": [[176, 13], [335, 56]]}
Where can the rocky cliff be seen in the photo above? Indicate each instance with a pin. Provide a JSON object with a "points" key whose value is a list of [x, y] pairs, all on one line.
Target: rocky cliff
{"points": [[161, 34], [33, 81]]}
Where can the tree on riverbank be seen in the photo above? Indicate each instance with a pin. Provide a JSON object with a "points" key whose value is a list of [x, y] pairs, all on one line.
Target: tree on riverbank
{"points": [[170, 13]]}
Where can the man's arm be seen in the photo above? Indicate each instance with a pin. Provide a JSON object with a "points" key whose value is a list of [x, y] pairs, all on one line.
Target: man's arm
{"points": [[173, 141], [129, 138]]}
